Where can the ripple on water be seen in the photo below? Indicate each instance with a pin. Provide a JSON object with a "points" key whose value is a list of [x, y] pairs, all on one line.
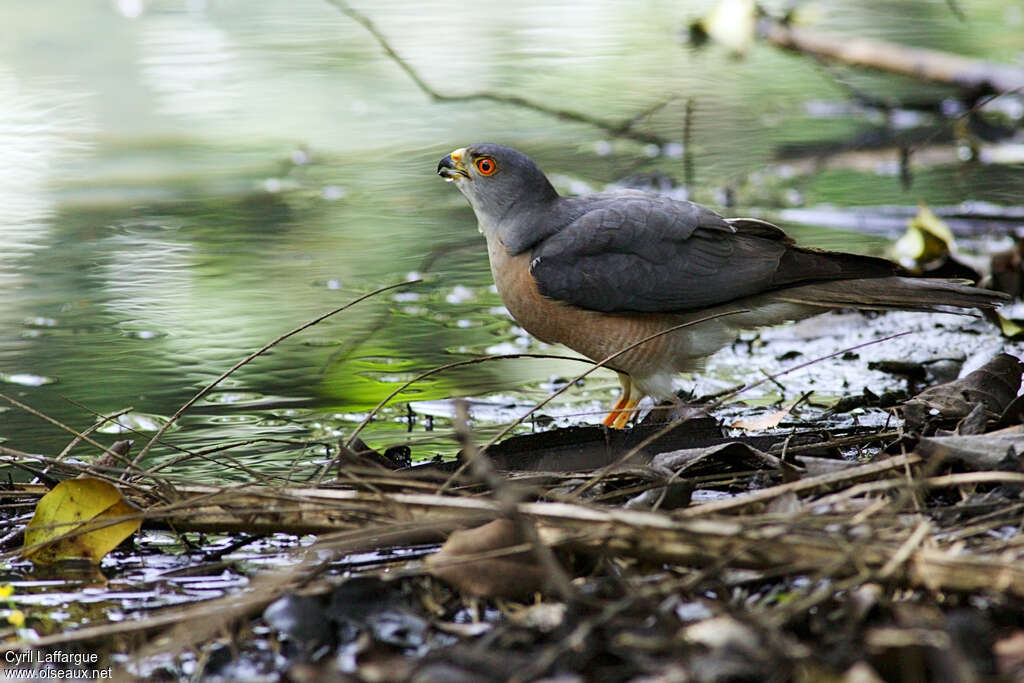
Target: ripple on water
{"points": [[134, 422], [25, 379]]}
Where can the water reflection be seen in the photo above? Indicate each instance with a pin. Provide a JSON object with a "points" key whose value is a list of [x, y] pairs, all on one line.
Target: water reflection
{"points": [[185, 181], [191, 65], [39, 128]]}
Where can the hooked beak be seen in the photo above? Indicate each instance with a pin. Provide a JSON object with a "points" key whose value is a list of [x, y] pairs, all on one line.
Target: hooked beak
{"points": [[450, 168]]}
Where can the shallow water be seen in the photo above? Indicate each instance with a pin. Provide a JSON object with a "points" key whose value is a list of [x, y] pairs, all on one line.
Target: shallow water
{"points": [[184, 181]]}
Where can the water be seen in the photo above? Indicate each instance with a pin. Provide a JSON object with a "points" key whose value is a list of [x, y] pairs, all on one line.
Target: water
{"points": [[183, 181]]}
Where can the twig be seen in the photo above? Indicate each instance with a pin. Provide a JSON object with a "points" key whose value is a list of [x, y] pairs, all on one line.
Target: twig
{"points": [[509, 501], [596, 477], [79, 435], [600, 364], [944, 481], [838, 442], [917, 63], [423, 375], [442, 368], [205, 453], [103, 419], [915, 539], [263, 349], [622, 128], [826, 480], [689, 177]]}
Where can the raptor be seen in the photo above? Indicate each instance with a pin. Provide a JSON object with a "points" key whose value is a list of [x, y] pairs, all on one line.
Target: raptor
{"points": [[601, 272]]}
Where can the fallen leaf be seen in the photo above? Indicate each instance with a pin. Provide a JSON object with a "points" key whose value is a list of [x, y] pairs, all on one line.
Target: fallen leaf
{"points": [[978, 452], [504, 575], [1010, 327], [760, 424], [733, 454], [927, 239], [994, 385], [72, 505], [731, 23], [772, 420]]}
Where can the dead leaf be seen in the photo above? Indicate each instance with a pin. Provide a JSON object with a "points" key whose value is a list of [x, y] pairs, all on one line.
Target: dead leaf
{"points": [[760, 424], [994, 385], [976, 421], [772, 420], [513, 575], [75, 504], [734, 454], [724, 632], [676, 495], [544, 617], [978, 452]]}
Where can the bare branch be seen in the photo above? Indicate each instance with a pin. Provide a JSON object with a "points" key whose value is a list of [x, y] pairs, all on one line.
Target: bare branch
{"points": [[620, 129]]}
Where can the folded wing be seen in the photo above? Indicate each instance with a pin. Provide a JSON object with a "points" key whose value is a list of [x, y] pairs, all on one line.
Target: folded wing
{"points": [[646, 253]]}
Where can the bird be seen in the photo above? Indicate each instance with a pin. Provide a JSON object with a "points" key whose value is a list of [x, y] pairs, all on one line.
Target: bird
{"points": [[601, 272]]}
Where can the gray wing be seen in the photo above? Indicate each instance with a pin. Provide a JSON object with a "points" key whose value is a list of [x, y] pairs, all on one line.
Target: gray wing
{"points": [[647, 253]]}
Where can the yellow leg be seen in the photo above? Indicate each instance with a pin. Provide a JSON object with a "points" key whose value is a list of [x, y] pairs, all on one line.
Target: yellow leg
{"points": [[610, 418], [625, 414], [621, 411]]}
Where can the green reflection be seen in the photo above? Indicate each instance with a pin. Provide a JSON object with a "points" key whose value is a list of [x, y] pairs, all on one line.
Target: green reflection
{"points": [[206, 177]]}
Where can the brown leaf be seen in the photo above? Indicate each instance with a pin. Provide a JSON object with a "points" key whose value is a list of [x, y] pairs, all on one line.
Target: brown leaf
{"points": [[978, 452], [994, 385], [733, 453], [514, 575]]}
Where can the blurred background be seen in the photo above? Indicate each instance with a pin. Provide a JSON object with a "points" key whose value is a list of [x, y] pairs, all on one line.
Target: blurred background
{"points": [[182, 181]]}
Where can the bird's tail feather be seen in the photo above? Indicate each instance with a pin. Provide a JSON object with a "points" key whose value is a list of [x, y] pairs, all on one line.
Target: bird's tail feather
{"points": [[895, 293]]}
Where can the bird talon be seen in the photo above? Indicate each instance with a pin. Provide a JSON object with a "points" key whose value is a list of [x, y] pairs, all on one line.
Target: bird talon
{"points": [[623, 408], [625, 414]]}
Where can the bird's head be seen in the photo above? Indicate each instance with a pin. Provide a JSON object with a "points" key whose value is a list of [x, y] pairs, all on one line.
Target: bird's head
{"points": [[501, 184]]}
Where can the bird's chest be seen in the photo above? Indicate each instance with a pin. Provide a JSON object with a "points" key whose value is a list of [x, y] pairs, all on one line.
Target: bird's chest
{"points": [[591, 333], [538, 315]]}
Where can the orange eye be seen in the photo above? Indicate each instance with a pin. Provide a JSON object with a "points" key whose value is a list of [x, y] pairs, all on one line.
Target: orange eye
{"points": [[486, 166]]}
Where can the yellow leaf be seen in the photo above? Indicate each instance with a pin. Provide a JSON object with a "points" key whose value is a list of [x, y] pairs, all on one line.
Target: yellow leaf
{"points": [[16, 618], [6, 591], [732, 23], [1011, 329], [927, 239], [79, 506]]}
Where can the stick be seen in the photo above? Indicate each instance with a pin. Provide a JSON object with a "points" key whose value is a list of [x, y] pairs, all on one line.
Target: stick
{"points": [[263, 349], [918, 63]]}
